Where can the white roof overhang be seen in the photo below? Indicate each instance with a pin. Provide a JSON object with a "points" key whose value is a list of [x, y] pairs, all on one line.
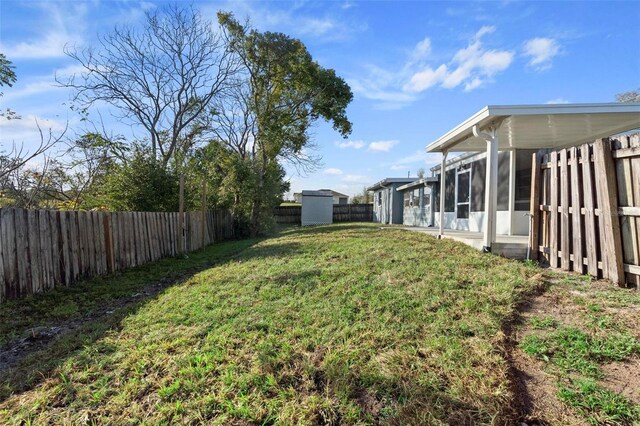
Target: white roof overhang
{"points": [[541, 126]]}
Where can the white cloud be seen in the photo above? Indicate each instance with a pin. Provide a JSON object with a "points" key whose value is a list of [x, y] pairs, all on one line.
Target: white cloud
{"points": [[332, 171], [381, 85], [558, 101], [418, 159], [541, 51], [382, 146], [474, 65], [422, 50], [426, 78], [470, 67], [50, 46], [356, 179], [350, 144], [487, 29], [25, 131], [64, 25]]}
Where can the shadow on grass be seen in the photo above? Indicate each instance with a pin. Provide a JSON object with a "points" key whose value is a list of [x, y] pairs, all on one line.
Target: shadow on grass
{"points": [[326, 229], [40, 332]]}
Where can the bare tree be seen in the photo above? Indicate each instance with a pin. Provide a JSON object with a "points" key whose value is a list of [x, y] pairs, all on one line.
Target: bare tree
{"points": [[17, 156], [162, 77]]}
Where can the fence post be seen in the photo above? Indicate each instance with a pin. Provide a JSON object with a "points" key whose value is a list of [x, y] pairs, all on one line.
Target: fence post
{"points": [[181, 217], [108, 242], [535, 207], [612, 257]]}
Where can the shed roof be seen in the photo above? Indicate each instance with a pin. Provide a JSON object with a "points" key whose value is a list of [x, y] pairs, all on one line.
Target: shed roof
{"points": [[418, 183], [307, 193], [390, 181], [334, 193], [541, 126]]}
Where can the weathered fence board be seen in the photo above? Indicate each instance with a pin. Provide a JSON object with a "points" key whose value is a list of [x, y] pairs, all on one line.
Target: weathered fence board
{"points": [[42, 249], [593, 206]]}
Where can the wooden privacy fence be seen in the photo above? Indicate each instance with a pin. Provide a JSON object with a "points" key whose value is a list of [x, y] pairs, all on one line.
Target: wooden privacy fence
{"points": [[288, 214], [341, 213], [42, 249], [585, 207], [353, 212]]}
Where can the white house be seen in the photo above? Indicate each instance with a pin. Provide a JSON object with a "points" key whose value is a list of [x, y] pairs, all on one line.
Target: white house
{"points": [[487, 188]]}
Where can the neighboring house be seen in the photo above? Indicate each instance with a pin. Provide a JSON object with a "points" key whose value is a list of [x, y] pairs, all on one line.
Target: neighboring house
{"points": [[417, 202], [487, 189], [338, 198], [387, 201]]}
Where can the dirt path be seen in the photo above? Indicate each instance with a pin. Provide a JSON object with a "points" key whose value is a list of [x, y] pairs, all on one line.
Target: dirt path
{"points": [[38, 338], [569, 301]]}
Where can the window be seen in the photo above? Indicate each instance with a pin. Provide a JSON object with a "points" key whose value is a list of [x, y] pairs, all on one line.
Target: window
{"points": [[407, 198], [379, 198], [478, 176], [503, 180], [415, 197], [450, 191], [463, 191], [426, 193]]}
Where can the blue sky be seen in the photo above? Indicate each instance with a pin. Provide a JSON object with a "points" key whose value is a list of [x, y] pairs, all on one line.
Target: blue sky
{"points": [[416, 68]]}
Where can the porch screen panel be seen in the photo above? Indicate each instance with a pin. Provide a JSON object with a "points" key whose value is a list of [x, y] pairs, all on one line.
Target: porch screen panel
{"points": [[450, 191], [436, 196], [523, 178], [478, 176], [503, 181]]}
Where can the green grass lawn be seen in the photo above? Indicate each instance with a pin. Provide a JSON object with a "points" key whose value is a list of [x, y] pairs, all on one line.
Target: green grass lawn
{"points": [[342, 324]]}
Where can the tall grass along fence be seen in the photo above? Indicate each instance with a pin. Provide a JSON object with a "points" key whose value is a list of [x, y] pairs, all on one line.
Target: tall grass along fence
{"points": [[585, 207], [42, 249], [341, 213]]}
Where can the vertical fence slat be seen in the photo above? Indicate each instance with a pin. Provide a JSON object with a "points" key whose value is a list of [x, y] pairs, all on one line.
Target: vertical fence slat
{"points": [[564, 201], [610, 224], [553, 213], [589, 207], [22, 254], [576, 204], [9, 251]]}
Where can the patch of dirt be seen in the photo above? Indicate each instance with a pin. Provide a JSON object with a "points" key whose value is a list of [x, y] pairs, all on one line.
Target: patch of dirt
{"points": [[40, 337], [538, 404], [534, 388], [624, 378]]}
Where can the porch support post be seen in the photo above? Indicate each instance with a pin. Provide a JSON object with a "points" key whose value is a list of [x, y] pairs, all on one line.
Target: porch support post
{"points": [[512, 190], [442, 182], [491, 185]]}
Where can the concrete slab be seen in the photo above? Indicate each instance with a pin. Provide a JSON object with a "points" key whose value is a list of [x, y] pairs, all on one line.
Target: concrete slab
{"points": [[511, 246]]}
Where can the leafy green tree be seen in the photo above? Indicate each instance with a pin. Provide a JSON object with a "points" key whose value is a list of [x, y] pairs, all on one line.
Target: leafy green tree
{"points": [[265, 121], [142, 184]]}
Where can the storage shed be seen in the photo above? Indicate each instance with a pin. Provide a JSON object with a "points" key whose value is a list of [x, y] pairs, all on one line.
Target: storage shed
{"points": [[387, 202], [317, 208]]}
